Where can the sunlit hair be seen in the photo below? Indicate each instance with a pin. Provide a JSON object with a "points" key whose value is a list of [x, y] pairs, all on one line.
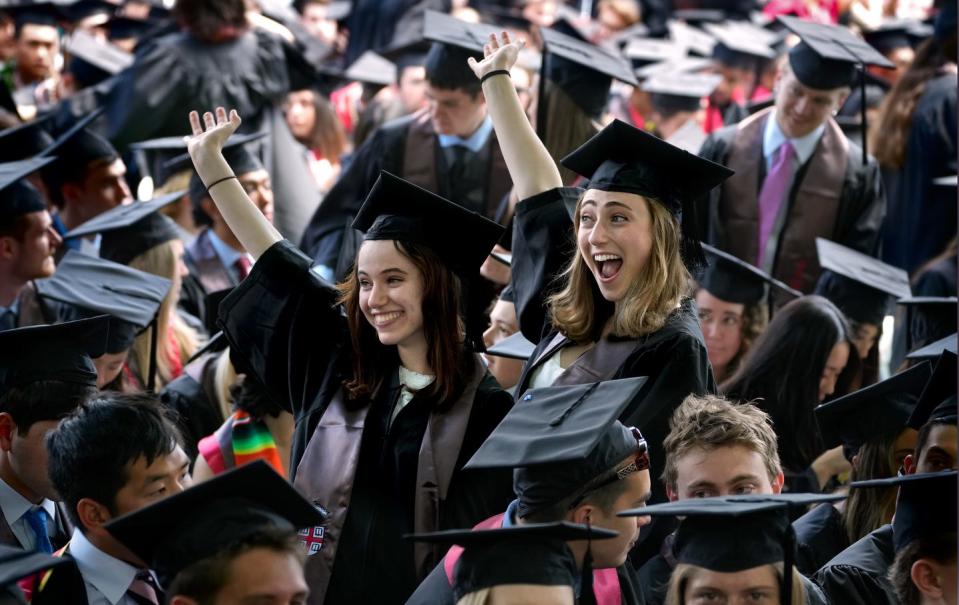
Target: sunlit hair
{"points": [[683, 574], [163, 260], [373, 362], [869, 509], [755, 320], [579, 310]]}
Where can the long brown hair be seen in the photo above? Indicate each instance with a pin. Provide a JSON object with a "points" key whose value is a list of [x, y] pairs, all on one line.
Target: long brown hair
{"points": [[442, 324], [579, 310], [868, 509], [328, 136], [889, 133]]}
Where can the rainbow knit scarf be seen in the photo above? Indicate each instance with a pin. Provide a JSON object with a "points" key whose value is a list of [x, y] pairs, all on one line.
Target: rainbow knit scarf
{"points": [[252, 441]]}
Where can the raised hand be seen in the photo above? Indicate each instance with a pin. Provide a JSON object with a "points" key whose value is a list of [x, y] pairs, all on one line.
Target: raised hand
{"points": [[210, 136], [499, 54]]}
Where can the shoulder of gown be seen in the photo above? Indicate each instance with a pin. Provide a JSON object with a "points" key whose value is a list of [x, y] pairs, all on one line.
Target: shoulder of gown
{"points": [[858, 574], [819, 537]]}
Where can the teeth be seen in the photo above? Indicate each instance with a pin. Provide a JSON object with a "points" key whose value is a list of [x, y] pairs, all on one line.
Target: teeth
{"points": [[384, 318], [599, 258]]}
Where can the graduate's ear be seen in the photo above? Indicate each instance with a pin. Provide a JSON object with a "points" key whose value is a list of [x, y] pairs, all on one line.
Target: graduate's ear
{"points": [[92, 514], [7, 428], [778, 483], [928, 578], [584, 515], [8, 247], [181, 600], [671, 494], [909, 464]]}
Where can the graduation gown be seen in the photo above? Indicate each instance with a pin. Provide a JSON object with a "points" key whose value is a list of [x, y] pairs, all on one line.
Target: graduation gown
{"points": [[819, 538], [61, 586], [673, 358], [377, 481], [857, 575], [834, 195], [192, 395]]}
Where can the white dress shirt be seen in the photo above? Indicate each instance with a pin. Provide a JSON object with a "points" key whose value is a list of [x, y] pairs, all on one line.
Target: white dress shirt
{"points": [[106, 578], [14, 508]]}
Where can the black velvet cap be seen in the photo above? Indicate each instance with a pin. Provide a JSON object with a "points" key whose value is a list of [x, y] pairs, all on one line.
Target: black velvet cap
{"points": [[930, 318], [623, 158], [96, 286], [736, 281], [872, 412], [32, 12], [371, 68], [25, 140], [197, 523], [934, 349], [889, 36], [61, 352], [828, 55], [124, 28], [938, 399], [105, 57], [695, 40], [645, 51], [857, 301], [926, 505], [514, 346], [582, 70], [17, 196], [561, 439], [448, 30], [75, 150], [863, 287], [396, 209], [679, 91], [16, 563], [83, 9]]}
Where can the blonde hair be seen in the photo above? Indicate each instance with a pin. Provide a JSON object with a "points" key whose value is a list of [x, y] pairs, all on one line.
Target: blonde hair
{"points": [[224, 377], [162, 260], [684, 572], [580, 312]]}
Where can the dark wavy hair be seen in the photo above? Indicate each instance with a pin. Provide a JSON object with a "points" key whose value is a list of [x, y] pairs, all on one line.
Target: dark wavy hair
{"points": [[783, 370], [442, 322]]}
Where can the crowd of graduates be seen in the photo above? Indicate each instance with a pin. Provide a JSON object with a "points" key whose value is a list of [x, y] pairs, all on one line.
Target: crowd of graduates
{"points": [[478, 302]]}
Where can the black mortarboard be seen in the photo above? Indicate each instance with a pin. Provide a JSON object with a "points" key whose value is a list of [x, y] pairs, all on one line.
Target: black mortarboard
{"points": [[693, 39], [861, 286], [679, 91], [688, 137], [124, 28], [450, 31], [872, 412], [93, 61], [122, 216], [582, 70], [736, 281], [929, 318], [514, 346], [926, 505], [828, 55], [735, 533], [396, 209], [83, 9], [673, 66], [197, 523], [17, 564], [75, 150], [25, 140], [238, 155], [934, 349], [889, 36], [130, 297], [736, 50], [371, 68], [32, 12], [62, 352], [623, 158], [17, 196], [519, 554], [561, 439], [938, 399], [643, 52]]}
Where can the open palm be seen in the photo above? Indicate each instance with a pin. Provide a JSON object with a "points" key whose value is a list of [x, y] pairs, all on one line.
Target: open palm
{"points": [[499, 54]]}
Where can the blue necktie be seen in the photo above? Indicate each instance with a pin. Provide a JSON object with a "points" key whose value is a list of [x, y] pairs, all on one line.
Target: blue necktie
{"points": [[37, 519], [8, 320]]}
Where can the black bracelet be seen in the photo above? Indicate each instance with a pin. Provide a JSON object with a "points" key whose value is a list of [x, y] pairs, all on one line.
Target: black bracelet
{"points": [[495, 72], [217, 182]]}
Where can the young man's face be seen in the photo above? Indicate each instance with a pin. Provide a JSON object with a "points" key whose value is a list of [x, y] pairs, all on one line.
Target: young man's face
{"points": [[264, 577], [613, 552], [800, 109], [103, 187], [36, 51], [147, 483], [728, 470], [32, 253], [455, 112], [939, 452]]}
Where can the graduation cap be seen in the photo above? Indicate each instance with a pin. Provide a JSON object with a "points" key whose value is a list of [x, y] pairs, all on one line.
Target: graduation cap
{"points": [[124, 28], [695, 40], [928, 318], [643, 52], [96, 286], [62, 352], [514, 346], [938, 399], [518, 554], [371, 68], [734, 49], [396, 209], [505, 258], [699, 16], [16, 564], [32, 12], [200, 522], [582, 70], [17, 196], [736, 281], [872, 412], [926, 505], [673, 66], [736, 533], [563, 440], [889, 36], [108, 58], [934, 349], [25, 140], [217, 343], [450, 31], [623, 158], [679, 91], [688, 137], [75, 150], [861, 286], [828, 55], [84, 9]]}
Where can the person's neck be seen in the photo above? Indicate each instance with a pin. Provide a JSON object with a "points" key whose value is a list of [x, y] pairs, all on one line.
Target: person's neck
{"points": [[10, 478], [10, 288], [110, 546], [226, 236], [413, 355]]}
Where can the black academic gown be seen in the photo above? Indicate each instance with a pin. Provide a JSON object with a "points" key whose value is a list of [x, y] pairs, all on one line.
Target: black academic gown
{"points": [[192, 396], [283, 321], [673, 358], [60, 586], [857, 575], [819, 537], [922, 216]]}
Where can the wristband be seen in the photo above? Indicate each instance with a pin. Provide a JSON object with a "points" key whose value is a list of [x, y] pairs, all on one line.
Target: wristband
{"points": [[217, 182], [495, 72]]}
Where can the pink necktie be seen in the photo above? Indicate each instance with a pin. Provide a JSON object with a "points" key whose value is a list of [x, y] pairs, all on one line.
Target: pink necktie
{"points": [[243, 266], [774, 192], [143, 589]]}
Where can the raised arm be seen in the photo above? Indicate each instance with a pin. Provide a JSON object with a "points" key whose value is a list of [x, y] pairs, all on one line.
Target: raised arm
{"points": [[530, 165], [206, 148]]}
